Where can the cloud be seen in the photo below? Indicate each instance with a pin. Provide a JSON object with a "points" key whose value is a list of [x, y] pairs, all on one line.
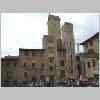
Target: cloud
{"points": [[25, 30]]}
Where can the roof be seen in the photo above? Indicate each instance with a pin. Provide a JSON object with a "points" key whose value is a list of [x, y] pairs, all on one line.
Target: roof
{"points": [[10, 58], [33, 50], [68, 23], [53, 16], [91, 38], [45, 36]]}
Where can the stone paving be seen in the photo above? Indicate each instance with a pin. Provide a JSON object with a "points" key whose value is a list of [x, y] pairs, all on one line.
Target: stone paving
{"points": [[66, 83]]}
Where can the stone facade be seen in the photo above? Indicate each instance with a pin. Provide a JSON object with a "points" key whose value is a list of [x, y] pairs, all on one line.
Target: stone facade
{"points": [[31, 64], [89, 59], [9, 66], [69, 45], [56, 61]]}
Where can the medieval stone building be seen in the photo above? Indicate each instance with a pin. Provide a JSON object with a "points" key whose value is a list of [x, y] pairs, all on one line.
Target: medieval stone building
{"points": [[89, 59], [56, 61]]}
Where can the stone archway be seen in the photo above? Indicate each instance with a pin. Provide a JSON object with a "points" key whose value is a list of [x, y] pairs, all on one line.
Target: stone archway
{"points": [[33, 78], [42, 77]]}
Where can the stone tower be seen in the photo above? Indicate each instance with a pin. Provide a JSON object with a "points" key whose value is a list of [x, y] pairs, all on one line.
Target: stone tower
{"points": [[54, 35], [69, 43], [54, 26]]}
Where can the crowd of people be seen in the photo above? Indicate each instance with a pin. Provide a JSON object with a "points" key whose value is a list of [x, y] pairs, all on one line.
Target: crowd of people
{"points": [[52, 83]]}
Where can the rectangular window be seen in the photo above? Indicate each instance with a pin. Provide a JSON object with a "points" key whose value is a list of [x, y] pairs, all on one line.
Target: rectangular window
{"points": [[15, 64], [25, 74], [33, 65], [24, 64], [42, 65], [91, 43], [33, 53], [71, 59], [26, 53], [62, 74], [94, 63], [89, 65], [59, 44], [9, 75], [62, 62], [91, 51]]}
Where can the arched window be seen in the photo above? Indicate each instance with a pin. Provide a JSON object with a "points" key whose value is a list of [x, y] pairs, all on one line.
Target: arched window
{"points": [[51, 59]]}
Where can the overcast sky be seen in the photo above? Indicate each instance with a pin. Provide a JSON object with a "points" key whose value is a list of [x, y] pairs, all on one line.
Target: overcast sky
{"points": [[26, 30]]}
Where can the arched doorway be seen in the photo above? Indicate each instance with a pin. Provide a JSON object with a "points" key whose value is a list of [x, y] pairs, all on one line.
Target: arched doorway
{"points": [[33, 78], [42, 77], [51, 77]]}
